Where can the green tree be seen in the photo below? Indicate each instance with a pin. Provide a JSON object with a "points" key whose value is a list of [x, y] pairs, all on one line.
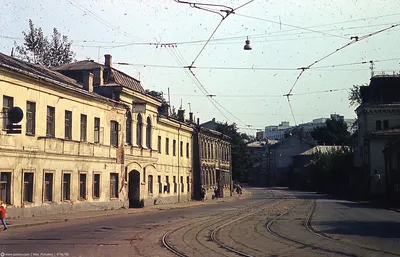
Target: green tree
{"points": [[241, 161], [355, 96], [37, 49], [333, 133]]}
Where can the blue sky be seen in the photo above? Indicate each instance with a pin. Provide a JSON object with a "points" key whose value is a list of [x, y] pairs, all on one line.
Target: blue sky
{"points": [[128, 30]]}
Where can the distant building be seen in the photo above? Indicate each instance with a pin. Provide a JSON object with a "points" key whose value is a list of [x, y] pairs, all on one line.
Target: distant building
{"points": [[378, 125], [280, 162], [258, 153], [260, 135], [277, 132]]}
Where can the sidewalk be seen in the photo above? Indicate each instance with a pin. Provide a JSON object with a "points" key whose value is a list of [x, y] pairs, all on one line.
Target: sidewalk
{"points": [[81, 215]]}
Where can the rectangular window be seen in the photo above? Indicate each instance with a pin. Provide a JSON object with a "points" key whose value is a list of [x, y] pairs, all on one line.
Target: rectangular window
{"points": [[188, 183], [167, 146], [212, 151], [114, 185], [159, 184], [66, 187], [30, 118], [175, 185], [83, 127], [96, 130], [48, 187], [181, 149], [187, 150], [159, 144], [28, 187], [114, 133], [96, 186], [8, 103], [150, 184], [82, 186], [167, 180], [144, 175], [5, 187], [68, 125], [174, 148], [50, 122], [182, 185]]}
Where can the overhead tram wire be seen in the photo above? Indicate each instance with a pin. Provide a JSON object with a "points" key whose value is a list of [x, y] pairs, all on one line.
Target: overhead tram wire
{"points": [[354, 40], [227, 12], [255, 68], [289, 25]]}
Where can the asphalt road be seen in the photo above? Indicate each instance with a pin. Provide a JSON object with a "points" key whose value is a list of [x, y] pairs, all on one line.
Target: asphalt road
{"points": [[272, 222]]}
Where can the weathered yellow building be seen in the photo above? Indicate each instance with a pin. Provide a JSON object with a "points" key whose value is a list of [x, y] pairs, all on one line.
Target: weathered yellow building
{"points": [[93, 141], [67, 153]]}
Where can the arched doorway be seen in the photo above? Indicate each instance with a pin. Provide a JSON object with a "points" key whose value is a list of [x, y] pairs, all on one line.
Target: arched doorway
{"points": [[134, 189]]}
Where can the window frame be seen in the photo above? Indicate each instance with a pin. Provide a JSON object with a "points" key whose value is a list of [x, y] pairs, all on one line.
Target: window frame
{"points": [[114, 194], [128, 128], [150, 186], [96, 185], [5, 190], [5, 109], [31, 188], [80, 197], [30, 118], [68, 125], [139, 132], [48, 191], [167, 146], [83, 128], [96, 127], [148, 133], [65, 187], [114, 133], [159, 144]]}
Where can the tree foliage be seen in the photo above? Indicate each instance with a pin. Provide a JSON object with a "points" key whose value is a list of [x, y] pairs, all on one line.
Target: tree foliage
{"points": [[241, 161], [355, 96], [333, 133], [332, 170], [37, 49]]}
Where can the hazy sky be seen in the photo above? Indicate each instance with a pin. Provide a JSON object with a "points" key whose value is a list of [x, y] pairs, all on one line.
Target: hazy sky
{"points": [[253, 96]]}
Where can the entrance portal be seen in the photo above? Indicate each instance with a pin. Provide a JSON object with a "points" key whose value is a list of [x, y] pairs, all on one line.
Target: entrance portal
{"points": [[134, 189]]}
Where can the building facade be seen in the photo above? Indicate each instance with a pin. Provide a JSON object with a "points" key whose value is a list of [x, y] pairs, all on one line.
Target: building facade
{"points": [[258, 153], [277, 132], [91, 139], [69, 152], [157, 148], [378, 123], [212, 162]]}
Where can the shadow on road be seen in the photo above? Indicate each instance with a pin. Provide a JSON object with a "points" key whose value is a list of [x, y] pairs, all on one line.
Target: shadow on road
{"points": [[381, 229]]}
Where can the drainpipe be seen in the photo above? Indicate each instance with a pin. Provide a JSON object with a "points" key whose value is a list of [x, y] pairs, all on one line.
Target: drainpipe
{"points": [[179, 155]]}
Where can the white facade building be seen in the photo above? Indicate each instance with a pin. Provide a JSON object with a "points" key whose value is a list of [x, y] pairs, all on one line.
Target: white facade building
{"points": [[277, 132]]}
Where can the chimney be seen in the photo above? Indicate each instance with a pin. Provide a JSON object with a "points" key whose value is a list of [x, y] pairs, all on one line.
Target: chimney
{"points": [[190, 117], [108, 60], [98, 77], [88, 81], [198, 121], [181, 115]]}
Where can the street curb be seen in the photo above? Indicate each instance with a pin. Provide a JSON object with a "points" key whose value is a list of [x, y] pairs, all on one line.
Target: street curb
{"points": [[137, 211]]}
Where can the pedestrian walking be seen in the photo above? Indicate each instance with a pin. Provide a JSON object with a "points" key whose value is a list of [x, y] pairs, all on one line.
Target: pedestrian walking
{"points": [[3, 213], [203, 193]]}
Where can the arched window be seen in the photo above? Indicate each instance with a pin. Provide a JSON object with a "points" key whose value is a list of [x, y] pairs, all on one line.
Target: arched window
{"points": [[148, 133], [128, 128], [139, 130], [385, 124], [378, 125]]}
